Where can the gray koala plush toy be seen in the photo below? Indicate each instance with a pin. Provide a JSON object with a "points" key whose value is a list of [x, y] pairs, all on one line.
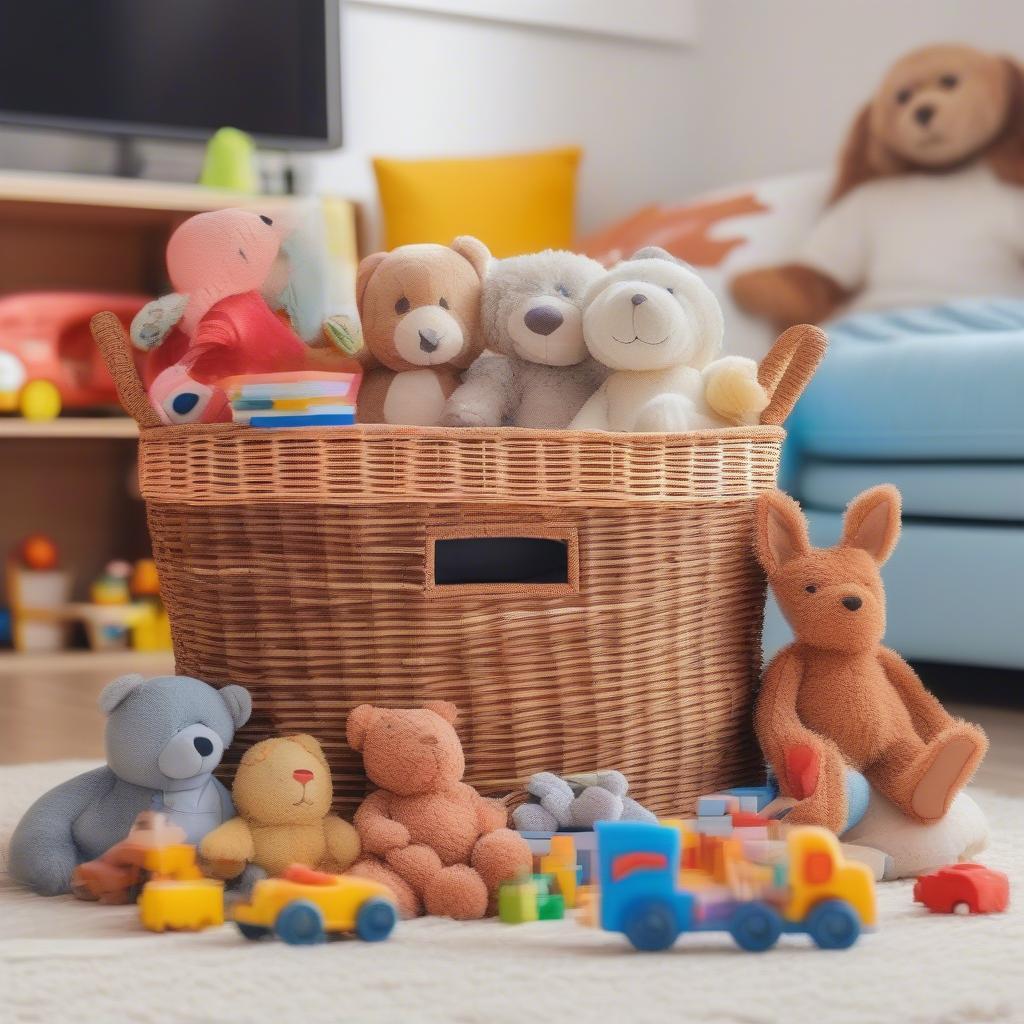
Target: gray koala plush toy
{"points": [[164, 738], [577, 801], [538, 372]]}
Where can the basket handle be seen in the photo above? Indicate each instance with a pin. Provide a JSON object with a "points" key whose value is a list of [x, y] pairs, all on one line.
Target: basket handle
{"points": [[115, 347], [788, 368]]}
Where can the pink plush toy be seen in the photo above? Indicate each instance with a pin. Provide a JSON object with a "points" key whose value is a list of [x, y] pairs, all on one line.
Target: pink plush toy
{"points": [[217, 322]]}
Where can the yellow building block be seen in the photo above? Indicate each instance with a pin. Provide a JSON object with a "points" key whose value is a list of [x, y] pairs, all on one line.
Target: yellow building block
{"points": [[182, 906]]}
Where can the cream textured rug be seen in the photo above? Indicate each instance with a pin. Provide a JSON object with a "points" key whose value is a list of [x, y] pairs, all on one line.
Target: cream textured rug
{"points": [[62, 960]]}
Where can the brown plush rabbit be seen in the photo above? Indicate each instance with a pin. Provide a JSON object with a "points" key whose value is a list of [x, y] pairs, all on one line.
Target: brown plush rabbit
{"points": [[836, 697]]}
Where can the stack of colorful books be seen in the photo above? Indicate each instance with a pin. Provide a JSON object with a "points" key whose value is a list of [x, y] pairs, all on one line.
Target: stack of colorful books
{"points": [[307, 398]]}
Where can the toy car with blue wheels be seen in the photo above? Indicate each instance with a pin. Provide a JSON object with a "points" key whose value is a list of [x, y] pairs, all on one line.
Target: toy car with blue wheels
{"points": [[305, 907], [645, 894]]}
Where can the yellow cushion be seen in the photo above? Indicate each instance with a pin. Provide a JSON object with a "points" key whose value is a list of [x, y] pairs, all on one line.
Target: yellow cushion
{"points": [[514, 204]]}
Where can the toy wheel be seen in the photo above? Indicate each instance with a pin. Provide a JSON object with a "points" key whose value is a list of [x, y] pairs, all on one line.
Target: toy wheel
{"points": [[650, 925], [833, 924], [962, 907], [252, 931], [300, 923], [40, 400], [755, 927], [376, 919]]}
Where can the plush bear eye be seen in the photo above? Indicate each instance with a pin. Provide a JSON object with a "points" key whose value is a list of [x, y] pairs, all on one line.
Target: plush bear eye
{"points": [[564, 292], [671, 291], [949, 81], [402, 305], [903, 96], [811, 588], [443, 302]]}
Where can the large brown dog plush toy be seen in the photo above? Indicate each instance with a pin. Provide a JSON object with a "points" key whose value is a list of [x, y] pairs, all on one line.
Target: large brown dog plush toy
{"points": [[928, 183], [430, 837], [836, 697], [420, 311]]}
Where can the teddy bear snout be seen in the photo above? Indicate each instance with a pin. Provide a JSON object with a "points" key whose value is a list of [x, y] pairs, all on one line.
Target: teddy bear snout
{"points": [[430, 740], [638, 298], [203, 746], [429, 339], [923, 114], [852, 602], [543, 320], [302, 775]]}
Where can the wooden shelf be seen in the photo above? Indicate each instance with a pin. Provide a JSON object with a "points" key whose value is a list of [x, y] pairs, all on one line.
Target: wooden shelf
{"points": [[125, 193], [69, 427], [110, 662]]}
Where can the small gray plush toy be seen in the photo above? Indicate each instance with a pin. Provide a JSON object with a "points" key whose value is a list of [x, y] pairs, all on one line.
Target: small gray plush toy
{"points": [[577, 801], [538, 372], [164, 738]]}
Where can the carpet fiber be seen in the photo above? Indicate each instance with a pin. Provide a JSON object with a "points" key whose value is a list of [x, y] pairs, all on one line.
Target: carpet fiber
{"points": [[65, 960]]}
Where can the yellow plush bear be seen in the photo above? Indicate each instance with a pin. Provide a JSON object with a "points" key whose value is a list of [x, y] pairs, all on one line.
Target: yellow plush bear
{"points": [[282, 793]]}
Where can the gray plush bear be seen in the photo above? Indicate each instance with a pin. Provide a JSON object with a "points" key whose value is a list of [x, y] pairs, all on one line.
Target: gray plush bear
{"points": [[164, 738], [538, 372], [577, 801]]}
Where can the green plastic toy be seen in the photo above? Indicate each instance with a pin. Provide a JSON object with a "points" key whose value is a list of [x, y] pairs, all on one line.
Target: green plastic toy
{"points": [[230, 162]]}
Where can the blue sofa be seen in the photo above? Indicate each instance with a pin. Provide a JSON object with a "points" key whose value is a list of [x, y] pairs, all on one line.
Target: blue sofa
{"points": [[932, 401]]}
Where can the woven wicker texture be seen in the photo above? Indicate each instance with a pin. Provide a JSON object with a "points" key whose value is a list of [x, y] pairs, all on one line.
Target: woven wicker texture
{"points": [[295, 562]]}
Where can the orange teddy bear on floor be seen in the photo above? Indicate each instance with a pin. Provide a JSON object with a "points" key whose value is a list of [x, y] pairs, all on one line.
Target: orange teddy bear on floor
{"points": [[836, 697], [438, 844]]}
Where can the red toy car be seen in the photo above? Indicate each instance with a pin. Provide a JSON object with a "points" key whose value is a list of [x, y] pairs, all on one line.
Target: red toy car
{"points": [[48, 360], [963, 889]]}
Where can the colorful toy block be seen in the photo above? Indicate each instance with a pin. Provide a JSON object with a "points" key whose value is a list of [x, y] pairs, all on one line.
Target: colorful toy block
{"points": [[517, 901], [561, 863], [585, 843]]}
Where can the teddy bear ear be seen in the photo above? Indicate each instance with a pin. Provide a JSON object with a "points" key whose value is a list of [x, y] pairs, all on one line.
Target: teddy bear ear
{"points": [[448, 711], [115, 692], [238, 702], [366, 268], [257, 752], [473, 250], [358, 725], [310, 744]]}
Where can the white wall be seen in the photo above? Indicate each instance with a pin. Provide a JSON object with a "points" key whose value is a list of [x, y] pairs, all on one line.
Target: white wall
{"points": [[769, 86]]}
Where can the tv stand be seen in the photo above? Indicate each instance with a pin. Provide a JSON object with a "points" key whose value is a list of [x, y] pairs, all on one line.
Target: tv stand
{"points": [[128, 162]]}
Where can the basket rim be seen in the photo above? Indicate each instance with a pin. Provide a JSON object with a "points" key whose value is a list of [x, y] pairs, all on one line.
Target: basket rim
{"points": [[384, 432]]}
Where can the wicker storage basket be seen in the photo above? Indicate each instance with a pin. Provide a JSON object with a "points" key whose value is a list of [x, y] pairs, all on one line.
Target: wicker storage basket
{"points": [[300, 563]]}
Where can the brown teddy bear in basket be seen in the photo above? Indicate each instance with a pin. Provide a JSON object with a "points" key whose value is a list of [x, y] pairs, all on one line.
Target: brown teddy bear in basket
{"points": [[438, 844], [420, 312], [282, 792], [836, 697]]}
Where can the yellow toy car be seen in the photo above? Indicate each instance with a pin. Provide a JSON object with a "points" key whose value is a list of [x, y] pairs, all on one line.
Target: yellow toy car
{"points": [[304, 907]]}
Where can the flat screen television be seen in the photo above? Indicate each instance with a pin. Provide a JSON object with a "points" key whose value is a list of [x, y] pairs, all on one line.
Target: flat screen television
{"points": [[174, 68]]}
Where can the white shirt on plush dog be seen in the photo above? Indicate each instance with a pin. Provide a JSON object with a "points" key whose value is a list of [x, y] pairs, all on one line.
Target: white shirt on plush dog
{"points": [[654, 322]]}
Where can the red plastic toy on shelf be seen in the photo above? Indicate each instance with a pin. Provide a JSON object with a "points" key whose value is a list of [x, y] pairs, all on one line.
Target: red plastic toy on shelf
{"points": [[963, 889], [48, 361]]}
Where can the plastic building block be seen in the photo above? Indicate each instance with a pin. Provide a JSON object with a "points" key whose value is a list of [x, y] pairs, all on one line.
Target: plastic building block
{"points": [[712, 806], [550, 907], [561, 863], [182, 906], [517, 901], [753, 798], [963, 889]]}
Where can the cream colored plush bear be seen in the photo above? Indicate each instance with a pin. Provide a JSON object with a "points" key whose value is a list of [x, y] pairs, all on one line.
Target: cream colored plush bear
{"points": [[654, 322], [282, 792]]}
